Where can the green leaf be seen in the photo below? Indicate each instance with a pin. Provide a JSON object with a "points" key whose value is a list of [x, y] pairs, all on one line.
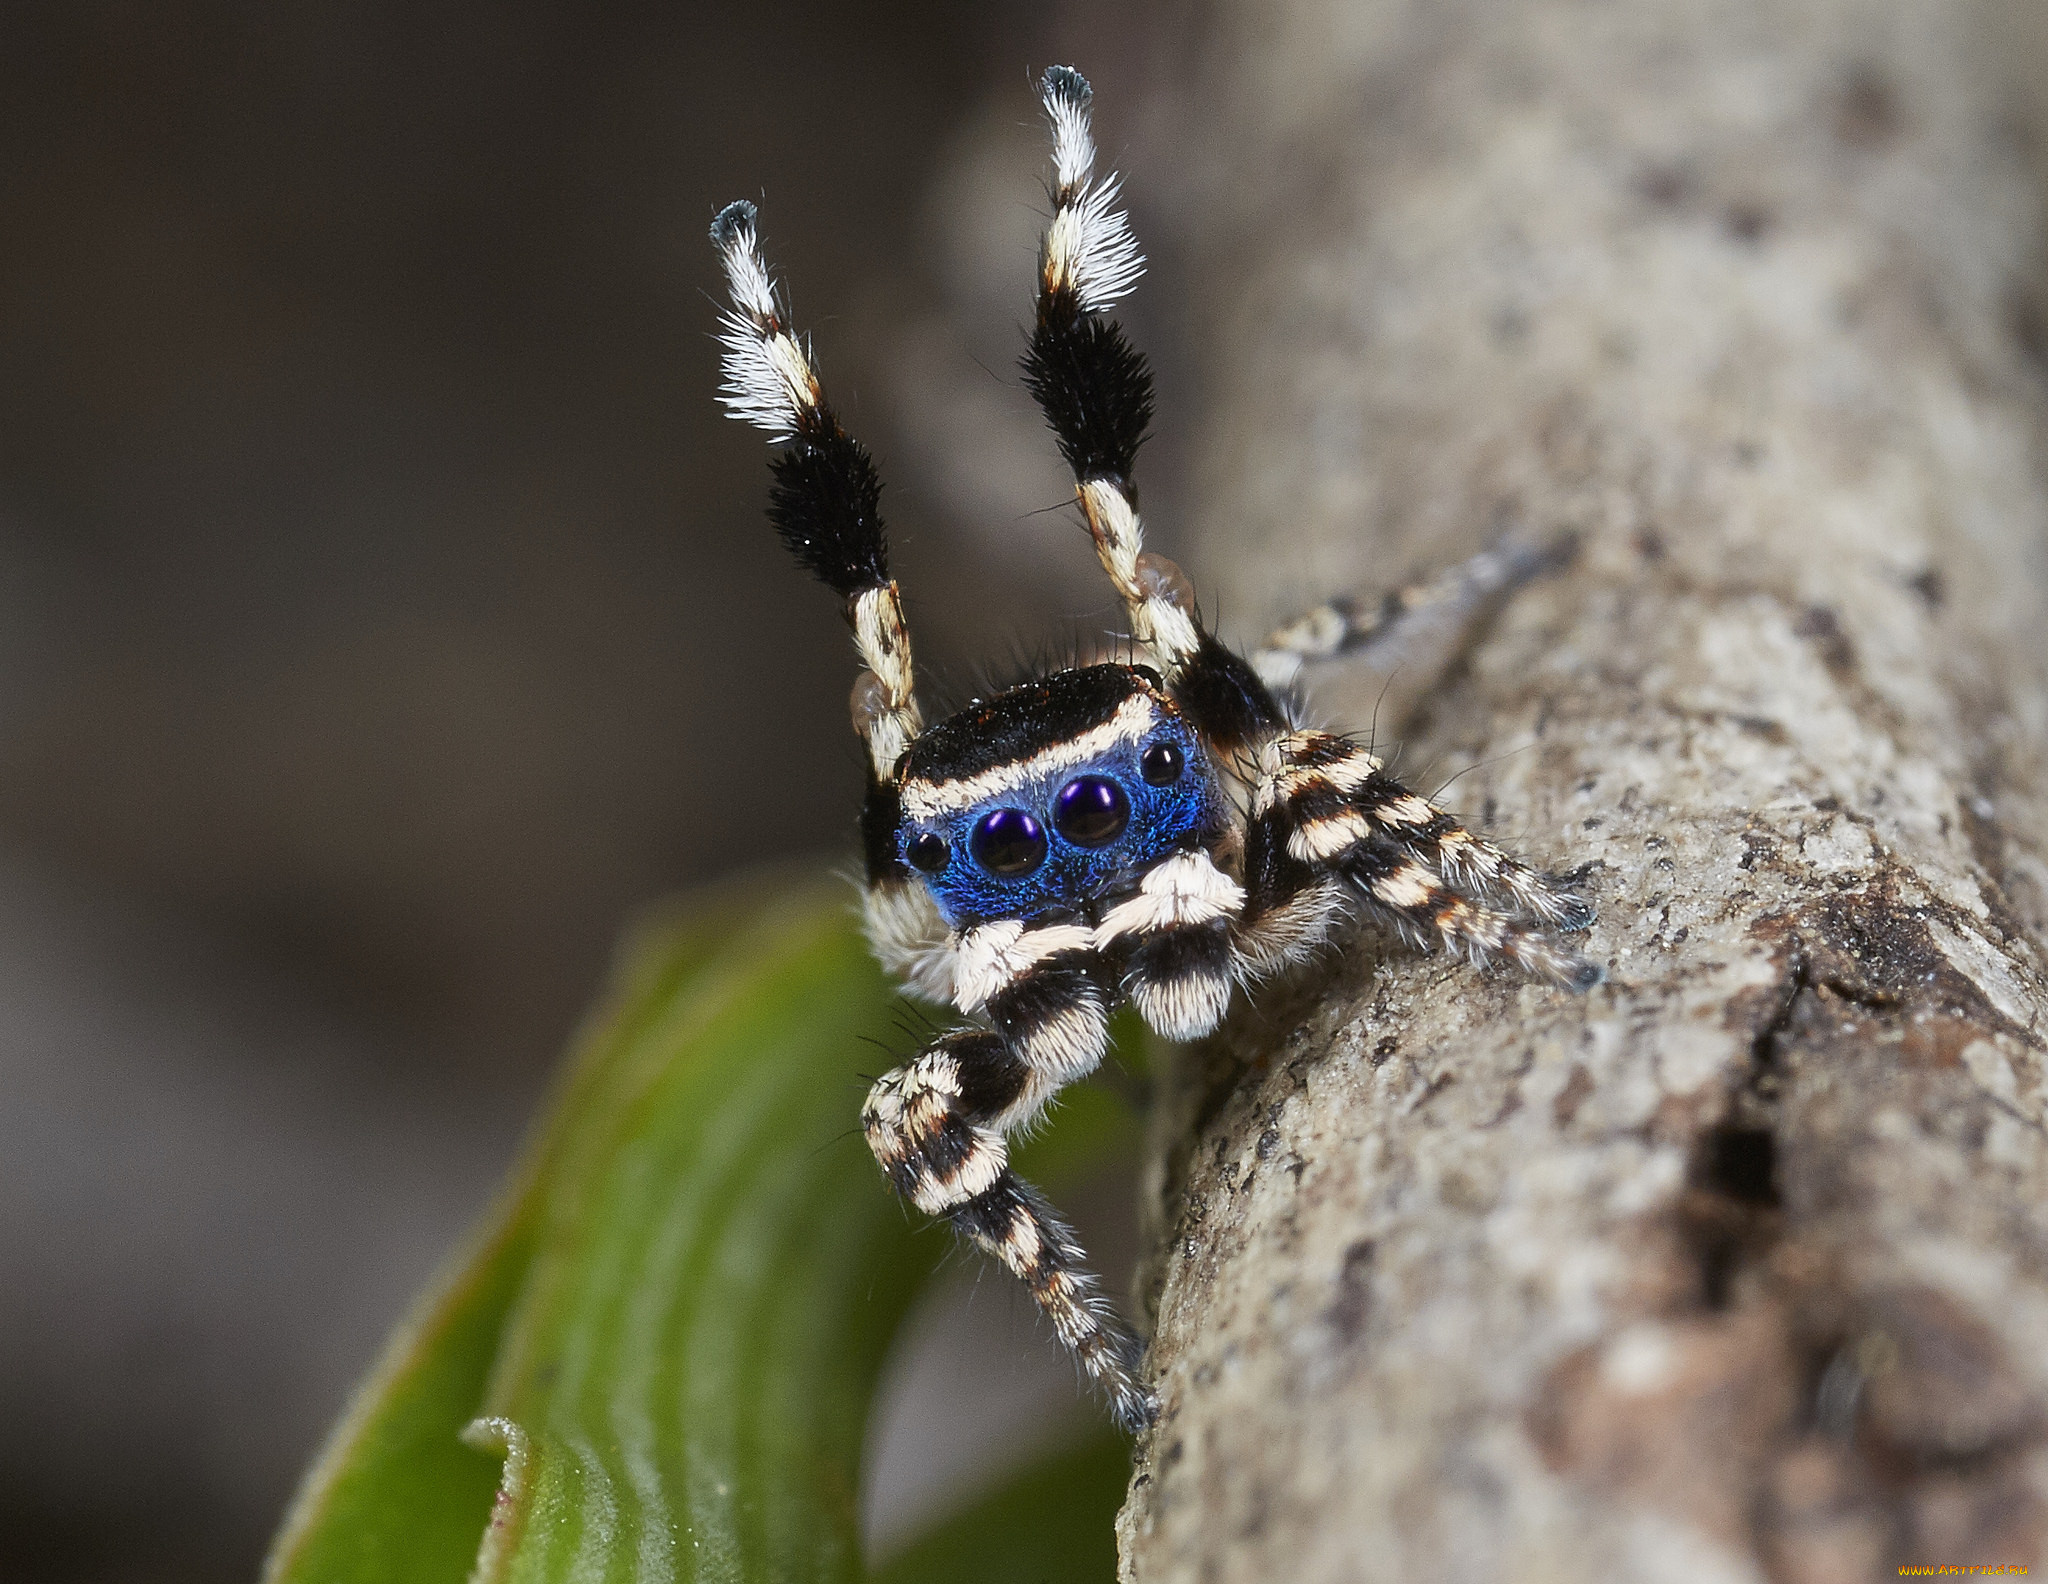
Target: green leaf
{"points": [[398, 1498], [670, 1332], [1052, 1524], [395, 1497]]}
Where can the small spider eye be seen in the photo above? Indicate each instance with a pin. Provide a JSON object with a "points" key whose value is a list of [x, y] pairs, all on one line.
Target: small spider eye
{"points": [[1091, 811], [1161, 764], [1008, 842], [927, 852]]}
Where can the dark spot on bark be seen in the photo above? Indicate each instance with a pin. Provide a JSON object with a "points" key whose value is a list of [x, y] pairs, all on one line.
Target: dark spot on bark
{"points": [[2027, 317], [1760, 726], [1354, 1290], [1874, 951], [1931, 586], [1666, 186], [1820, 625], [1756, 846], [1748, 453], [1742, 1162], [1867, 115], [1269, 1141], [1383, 1049], [1435, 1087], [1571, 1096], [1649, 544], [1508, 1108], [1748, 221], [1728, 1214]]}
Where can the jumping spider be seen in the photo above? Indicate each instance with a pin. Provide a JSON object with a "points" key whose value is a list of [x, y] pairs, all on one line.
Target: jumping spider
{"points": [[1154, 831]]}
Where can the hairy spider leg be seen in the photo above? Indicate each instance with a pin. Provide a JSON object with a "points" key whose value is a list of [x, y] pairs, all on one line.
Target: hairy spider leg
{"points": [[1327, 824], [937, 1125], [826, 499], [825, 504], [930, 1124], [1094, 387]]}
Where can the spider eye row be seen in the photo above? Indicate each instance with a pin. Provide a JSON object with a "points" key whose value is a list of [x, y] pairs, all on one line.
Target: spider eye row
{"points": [[1008, 842], [1089, 811]]}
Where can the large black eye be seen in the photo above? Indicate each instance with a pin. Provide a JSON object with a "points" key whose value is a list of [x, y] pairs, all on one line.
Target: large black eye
{"points": [[927, 852], [1091, 811], [1009, 843], [1161, 764]]}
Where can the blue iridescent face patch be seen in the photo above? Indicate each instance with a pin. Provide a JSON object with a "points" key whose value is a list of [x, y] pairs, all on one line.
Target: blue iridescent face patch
{"points": [[1097, 779]]}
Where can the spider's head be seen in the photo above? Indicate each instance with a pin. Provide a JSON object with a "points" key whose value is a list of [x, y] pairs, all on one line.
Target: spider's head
{"points": [[1053, 796]]}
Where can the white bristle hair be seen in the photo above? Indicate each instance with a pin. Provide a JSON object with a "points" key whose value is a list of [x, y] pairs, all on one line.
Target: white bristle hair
{"points": [[1067, 97], [1090, 234], [766, 374], [1106, 263]]}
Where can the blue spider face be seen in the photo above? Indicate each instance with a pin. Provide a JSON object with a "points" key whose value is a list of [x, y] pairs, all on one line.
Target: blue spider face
{"points": [[1052, 795]]}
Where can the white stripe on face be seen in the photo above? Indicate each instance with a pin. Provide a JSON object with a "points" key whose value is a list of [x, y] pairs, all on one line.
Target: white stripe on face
{"points": [[1134, 718]]}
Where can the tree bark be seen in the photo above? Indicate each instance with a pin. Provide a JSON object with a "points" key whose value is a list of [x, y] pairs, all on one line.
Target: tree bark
{"points": [[1737, 1268]]}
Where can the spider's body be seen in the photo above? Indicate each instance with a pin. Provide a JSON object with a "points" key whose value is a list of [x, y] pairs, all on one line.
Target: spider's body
{"points": [[1152, 831]]}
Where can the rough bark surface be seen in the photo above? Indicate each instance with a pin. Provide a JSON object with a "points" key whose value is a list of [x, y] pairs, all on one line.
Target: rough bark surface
{"points": [[1738, 1268]]}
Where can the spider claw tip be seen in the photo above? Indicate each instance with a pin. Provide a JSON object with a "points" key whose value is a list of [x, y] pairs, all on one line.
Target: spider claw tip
{"points": [[1063, 82], [730, 221]]}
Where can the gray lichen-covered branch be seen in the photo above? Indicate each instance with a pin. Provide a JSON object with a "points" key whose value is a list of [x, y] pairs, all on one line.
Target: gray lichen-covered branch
{"points": [[1738, 1268]]}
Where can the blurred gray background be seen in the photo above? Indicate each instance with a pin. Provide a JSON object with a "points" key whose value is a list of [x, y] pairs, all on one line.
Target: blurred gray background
{"points": [[385, 613]]}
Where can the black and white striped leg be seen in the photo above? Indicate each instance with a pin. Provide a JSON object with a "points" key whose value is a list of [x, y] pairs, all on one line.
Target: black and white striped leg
{"points": [[1092, 384], [936, 1125], [1420, 627], [1327, 819], [826, 498]]}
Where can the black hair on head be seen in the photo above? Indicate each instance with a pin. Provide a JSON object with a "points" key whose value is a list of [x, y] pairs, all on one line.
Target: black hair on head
{"points": [[881, 813], [826, 505], [1095, 389]]}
